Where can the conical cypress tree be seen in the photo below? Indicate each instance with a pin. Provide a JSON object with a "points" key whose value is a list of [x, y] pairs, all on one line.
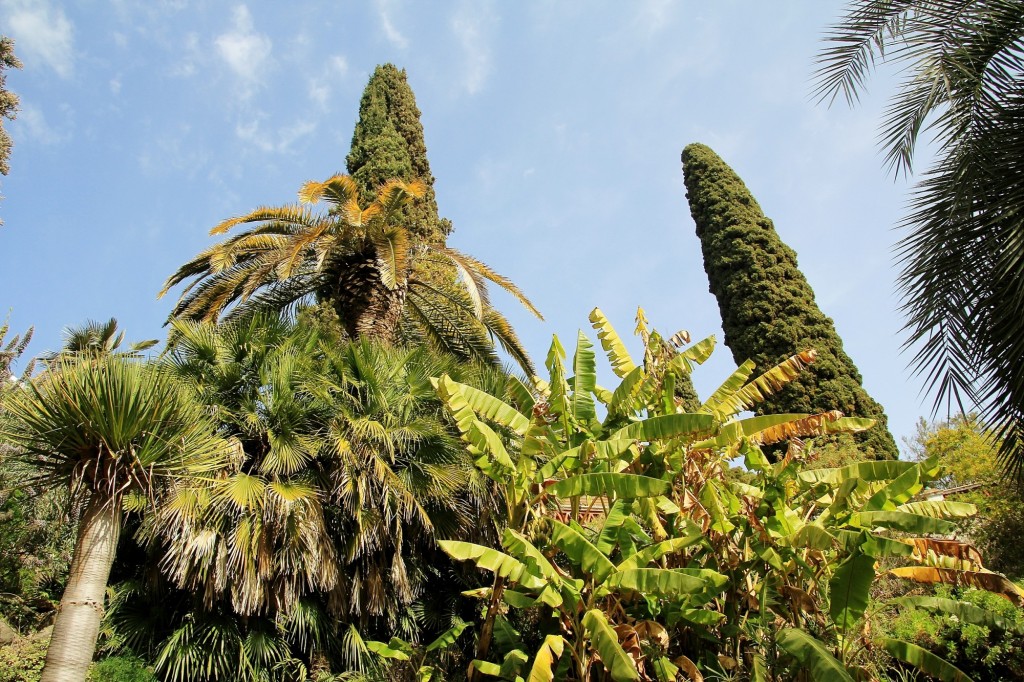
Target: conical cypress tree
{"points": [[767, 306], [388, 143]]}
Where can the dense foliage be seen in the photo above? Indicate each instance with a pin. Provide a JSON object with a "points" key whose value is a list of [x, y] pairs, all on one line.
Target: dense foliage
{"points": [[643, 557], [962, 256], [768, 308], [345, 472], [388, 144]]}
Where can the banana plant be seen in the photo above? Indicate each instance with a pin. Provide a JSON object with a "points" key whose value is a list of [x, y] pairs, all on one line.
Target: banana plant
{"points": [[625, 520]]}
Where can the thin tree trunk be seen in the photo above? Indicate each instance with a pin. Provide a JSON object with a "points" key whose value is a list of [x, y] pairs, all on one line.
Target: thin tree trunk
{"points": [[81, 608]]}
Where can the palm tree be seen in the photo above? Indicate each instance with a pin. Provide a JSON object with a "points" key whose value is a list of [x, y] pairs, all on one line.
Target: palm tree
{"points": [[963, 278], [104, 429], [382, 284], [95, 339], [346, 469]]}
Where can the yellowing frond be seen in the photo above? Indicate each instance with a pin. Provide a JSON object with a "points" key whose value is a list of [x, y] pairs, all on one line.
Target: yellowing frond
{"points": [[622, 364], [814, 425]]}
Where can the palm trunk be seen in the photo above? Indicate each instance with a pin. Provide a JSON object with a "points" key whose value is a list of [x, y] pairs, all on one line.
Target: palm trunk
{"points": [[81, 608], [365, 305]]}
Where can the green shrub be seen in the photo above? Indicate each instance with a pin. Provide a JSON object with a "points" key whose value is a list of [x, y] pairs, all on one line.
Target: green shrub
{"points": [[121, 669], [980, 652], [22, 660]]}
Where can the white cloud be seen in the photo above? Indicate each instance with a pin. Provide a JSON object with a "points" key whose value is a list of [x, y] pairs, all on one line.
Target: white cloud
{"points": [[654, 15], [115, 85], [471, 25], [33, 122], [320, 86], [245, 52], [42, 33], [271, 141], [393, 35], [188, 56]]}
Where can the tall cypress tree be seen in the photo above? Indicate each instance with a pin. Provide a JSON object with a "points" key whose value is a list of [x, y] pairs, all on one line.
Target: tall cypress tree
{"points": [[767, 306], [388, 143]]}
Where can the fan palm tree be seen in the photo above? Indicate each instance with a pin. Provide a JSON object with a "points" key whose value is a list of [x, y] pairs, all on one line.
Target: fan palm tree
{"points": [[104, 429], [346, 469], [364, 263], [95, 339], [963, 278]]}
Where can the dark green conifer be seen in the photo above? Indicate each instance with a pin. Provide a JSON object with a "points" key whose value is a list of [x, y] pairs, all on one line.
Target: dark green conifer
{"points": [[388, 143], [767, 306]]}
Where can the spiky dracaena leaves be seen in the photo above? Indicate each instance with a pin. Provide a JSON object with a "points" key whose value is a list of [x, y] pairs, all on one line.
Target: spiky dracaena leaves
{"points": [[388, 144], [767, 306]]}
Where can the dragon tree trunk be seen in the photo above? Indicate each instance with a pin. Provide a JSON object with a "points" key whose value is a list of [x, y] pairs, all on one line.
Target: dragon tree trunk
{"points": [[81, 608]]}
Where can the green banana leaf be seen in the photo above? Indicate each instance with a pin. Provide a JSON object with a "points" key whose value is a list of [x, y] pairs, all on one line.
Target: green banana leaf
{"points": [[904, 521], [939, 509], [613, 522], [812, 655], [486, 406], [901, 489], [584, 366], [658, 550], [396, 649], [632, 393], [849, 590], [487, 442], [700, 351], [522, 549], [869, 471], [658, 581], [923, 660], [735, 381], [486, 667], [448, 637], [812, 536], [668, 426], [871, 543], [606, 642], [623, 486], [581, 552], [517, 391], [664, 669], [492, 560]]}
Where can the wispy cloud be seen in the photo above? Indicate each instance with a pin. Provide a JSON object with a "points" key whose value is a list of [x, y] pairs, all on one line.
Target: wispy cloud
{"points": [[33, 123], [472, 24], [188, 55], [320, 86], [246, 52], [275, 141], [42, 34], [654, 15], [394, 36]]}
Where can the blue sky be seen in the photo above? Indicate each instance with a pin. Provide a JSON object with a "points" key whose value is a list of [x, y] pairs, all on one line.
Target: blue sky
{"points": [[553, 127]]}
